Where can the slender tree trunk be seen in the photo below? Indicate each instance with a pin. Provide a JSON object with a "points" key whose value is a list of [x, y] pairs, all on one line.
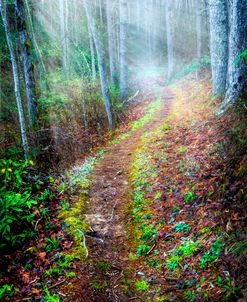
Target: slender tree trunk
{"points": [[63, 32], [218, 43], [169, 39], [111, 44], [237, 70], [123, 49], [16, 81], [42, 67], [27, 61], [101, 62], [199, 27], [67, 32], [83, 102], [91, 44]]}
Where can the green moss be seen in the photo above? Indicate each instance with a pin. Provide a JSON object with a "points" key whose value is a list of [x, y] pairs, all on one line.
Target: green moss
{"points": [[98, 285], [151, 109], [78, 181], [182, 149], [132, 257], [141, 286], [104, 266]]}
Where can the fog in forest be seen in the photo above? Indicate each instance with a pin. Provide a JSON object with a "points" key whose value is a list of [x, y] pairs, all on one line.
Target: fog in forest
{"points": [[150, 24]]}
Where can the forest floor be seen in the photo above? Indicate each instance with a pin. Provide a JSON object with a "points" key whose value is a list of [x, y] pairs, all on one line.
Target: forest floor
{"points": [[106, 215], [158, 214], [166, 214]]}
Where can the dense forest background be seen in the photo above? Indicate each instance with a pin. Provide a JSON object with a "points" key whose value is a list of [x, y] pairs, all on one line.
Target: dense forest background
{"points": [[74, 74], [76, 63]]}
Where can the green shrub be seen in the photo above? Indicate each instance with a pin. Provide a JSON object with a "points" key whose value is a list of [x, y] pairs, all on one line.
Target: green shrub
{"points": [[20, 196]]}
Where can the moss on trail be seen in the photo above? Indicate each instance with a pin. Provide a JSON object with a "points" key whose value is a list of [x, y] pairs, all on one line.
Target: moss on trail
{"points": [[78, 181]]}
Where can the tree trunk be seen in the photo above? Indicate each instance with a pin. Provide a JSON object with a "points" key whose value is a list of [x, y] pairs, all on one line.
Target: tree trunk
{"points": [[63, 33], [218, 17], [92, 53], [83, 102], [16, 81], [27, 61], [198, 4], [123, 49], [42, 67], [111, 44], [169, 40], [237, 70], [67, 32], [101, 62]]}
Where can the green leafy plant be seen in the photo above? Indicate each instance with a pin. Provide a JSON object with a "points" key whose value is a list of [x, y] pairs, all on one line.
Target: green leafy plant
{"points": [[141, 285], [181, 227], [212, 255], [149, 235], [20, 198], [231, 291], [182, 149], [49, 297], [143, 249], [65, 205], [187, 248], [189, 196], [190, 296], [172, 261], [51, 244], [6, 290], [70, 274]]}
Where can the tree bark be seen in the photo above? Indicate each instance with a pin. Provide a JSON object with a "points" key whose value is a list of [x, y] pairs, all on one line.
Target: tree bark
{"points": [[101, 62], [237, 70], [16, 81], [218, 17], [123, 49], [27, 62]]}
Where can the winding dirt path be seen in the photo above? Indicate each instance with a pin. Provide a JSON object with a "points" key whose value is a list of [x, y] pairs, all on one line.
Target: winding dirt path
{"points": [[100, 281]]}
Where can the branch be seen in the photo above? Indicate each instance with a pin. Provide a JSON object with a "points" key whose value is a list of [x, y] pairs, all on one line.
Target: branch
{"points": [[83, 242]]}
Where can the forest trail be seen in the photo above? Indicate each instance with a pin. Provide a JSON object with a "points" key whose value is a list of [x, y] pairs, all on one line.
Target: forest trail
{"points": [[106, 216]]}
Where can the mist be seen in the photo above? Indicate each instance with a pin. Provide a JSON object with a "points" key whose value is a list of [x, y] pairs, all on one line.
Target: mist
{"points": [[151, 25]]}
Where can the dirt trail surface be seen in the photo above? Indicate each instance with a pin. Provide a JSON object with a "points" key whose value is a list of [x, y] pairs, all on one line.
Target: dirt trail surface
{"points": [[108, 241]]}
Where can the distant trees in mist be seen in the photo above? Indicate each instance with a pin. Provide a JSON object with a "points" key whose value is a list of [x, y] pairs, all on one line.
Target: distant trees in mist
{"points": [[103, 43]]}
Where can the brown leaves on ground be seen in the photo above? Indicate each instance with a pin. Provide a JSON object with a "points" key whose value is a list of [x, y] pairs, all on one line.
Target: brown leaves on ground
{"points": [[203, 183]]}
